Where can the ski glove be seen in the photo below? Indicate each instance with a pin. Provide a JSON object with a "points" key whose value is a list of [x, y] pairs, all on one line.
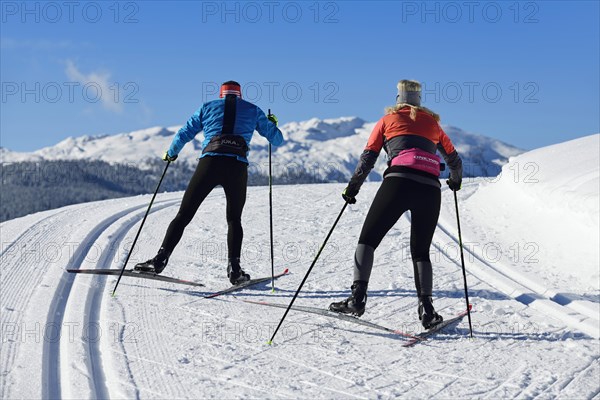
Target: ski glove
{"points": [[167, 157], [272, 118], [454, 185], [349, 195]]}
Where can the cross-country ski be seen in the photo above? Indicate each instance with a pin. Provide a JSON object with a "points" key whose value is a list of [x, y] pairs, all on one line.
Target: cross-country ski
{"points": [[246, 284], [134, 274], [343, 317], [448, 322]]}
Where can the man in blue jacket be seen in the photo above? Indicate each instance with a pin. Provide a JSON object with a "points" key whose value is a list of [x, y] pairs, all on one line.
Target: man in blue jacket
{"points": [[228, 124]]}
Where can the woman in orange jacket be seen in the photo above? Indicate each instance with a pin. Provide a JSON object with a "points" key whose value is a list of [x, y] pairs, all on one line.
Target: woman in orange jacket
{"points": [[411, 135]]}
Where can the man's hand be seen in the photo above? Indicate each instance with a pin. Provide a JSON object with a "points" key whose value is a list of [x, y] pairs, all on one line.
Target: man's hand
{"points": [[272, 118], [167, 157]]}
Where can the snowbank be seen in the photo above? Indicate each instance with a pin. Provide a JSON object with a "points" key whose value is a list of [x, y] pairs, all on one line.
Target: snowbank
{"points": [[546, 202]]}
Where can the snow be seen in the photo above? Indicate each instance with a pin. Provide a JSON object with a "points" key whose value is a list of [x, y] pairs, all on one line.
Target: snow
{"points": [[536, 323], [547, 200]]}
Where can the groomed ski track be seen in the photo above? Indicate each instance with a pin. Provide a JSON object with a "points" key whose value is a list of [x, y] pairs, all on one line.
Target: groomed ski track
{"points": [[68, 338]]}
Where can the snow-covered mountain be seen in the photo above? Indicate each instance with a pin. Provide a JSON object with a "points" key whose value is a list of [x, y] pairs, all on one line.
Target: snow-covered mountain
{"points": [[328, 149], [531, 255], [89, 168]]}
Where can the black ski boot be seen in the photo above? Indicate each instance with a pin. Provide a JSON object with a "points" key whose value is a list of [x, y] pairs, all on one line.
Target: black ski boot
{"points": [[235, 273], [355, 304], [427, 315], [155, 265]]}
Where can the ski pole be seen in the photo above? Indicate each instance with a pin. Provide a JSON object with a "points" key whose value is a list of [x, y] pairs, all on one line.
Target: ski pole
{"points": [[462, 259], [141, 226], [271, 218], [308, 273]]}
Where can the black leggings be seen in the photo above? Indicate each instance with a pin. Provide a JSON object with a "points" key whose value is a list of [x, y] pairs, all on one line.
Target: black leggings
{"points": [[395, 197], [211, 172]]}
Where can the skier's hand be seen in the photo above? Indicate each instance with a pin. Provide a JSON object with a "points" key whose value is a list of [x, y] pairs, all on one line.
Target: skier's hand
{"points": [[167, 157], [272, 118], [454, 185], [349, 195]]}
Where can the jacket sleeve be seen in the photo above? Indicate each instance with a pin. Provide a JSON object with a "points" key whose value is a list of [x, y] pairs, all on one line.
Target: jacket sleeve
{"points": [[187, 132], [368, 157], [267, 128], [451, 157]]}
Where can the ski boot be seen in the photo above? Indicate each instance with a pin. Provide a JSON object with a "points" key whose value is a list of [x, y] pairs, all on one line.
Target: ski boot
{"points": [[427, 315], [155, 265], [355, 304], [235, 273]]}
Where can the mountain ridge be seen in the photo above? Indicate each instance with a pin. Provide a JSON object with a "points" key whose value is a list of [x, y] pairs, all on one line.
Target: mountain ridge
{"points": [[331, 146]]}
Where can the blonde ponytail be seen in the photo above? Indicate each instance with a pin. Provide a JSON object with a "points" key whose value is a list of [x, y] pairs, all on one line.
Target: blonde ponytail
{"points": [[413, 111]]}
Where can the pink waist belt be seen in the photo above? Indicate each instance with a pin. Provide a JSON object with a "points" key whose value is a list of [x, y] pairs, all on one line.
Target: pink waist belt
{"points": [[418, 159]]}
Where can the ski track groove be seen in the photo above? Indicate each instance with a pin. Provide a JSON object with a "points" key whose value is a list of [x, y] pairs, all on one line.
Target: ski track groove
{"points": [[34, 227], [51, 381], [492, 394], [443, 388], [593, 363], [151, 340], [515, 281], [517, 286], [562, 383], [18, 288], [18, 284], [555, 383], [97, 302], [94, 299], [123, 352], [519, 281]]}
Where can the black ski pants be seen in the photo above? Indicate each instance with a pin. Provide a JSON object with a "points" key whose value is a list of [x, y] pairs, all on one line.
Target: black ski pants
{"points": [[212, 171], [396, 196]]}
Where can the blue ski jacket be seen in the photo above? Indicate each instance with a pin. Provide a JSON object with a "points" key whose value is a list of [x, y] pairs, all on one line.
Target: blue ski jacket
{"points": [[209, 118]]}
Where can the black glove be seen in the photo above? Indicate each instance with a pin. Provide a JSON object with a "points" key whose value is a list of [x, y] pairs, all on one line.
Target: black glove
{"points": [[349, 195], [454, 185], [167, 157]]}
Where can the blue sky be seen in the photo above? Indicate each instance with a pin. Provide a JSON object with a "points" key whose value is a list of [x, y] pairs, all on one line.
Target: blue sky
{"points": [[526, 73]]}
